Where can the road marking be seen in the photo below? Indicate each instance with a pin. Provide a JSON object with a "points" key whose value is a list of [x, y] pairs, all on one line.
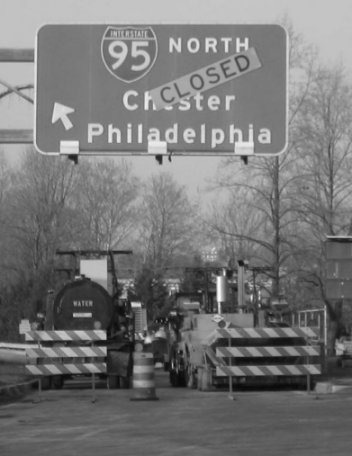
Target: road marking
{"points": [[60, 112]]}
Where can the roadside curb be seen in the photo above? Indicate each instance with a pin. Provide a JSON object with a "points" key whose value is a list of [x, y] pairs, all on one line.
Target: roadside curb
{"points": [[12, 392]]}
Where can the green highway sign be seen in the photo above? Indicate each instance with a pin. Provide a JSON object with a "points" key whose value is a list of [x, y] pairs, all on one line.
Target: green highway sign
{"points": [[197, 88]]}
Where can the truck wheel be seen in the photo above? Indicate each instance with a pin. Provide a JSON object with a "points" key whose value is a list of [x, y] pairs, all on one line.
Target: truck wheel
{"points": [[174, 378], [46, 382], [57, 381], [190, 377], [124, 382], [182, 381], [113, 381]]}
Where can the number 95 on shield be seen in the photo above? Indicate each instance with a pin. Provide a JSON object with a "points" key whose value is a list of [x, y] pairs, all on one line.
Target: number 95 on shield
{"points": [[129, 52]]}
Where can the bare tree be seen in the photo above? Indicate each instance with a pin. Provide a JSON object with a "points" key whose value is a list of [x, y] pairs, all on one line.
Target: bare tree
{"points": [[4, 190], [167, 228], [167, 220], [32, 225], [4, 182], [268, 182], [323, 198], [34, 219], [236, 216], [325, 155], [103, 203]]}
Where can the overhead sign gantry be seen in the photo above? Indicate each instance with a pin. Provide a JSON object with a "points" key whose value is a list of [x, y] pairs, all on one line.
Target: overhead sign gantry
{"points": [[192, 89]]}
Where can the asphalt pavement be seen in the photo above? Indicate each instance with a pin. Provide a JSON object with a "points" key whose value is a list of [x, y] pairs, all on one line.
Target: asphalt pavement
{"points": [[182, 421]]}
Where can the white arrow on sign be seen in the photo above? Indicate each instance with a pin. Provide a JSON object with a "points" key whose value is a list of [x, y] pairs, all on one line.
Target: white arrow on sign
{"points": [[61, 112]]}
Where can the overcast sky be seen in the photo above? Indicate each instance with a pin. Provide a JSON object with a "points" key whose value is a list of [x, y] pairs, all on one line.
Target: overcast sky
{"points": [[324, 23]]}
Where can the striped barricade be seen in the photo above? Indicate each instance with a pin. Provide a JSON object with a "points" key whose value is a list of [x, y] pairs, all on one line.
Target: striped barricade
{"points": [[69, 353], [65, 336], [255, 352]]}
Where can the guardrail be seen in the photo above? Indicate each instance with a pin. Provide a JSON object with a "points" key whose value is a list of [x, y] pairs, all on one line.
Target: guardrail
{"points": [[13, 353]]}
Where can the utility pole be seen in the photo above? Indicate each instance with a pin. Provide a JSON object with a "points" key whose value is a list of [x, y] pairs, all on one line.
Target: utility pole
{"points": [[257, 270], [241, 302]]}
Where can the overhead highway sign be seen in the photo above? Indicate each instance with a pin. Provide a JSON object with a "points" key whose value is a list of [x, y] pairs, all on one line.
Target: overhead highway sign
{"points": [[193, 89]]}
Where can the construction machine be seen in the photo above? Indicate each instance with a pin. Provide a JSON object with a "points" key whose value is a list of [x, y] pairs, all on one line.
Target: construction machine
{"points": [[204, 339]]}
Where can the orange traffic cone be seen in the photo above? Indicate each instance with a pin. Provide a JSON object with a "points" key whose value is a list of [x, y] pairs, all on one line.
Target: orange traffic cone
{"points": [[143, 381]]}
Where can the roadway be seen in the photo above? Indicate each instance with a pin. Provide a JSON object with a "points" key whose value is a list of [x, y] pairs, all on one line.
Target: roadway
{"points": [[181, 422]]}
